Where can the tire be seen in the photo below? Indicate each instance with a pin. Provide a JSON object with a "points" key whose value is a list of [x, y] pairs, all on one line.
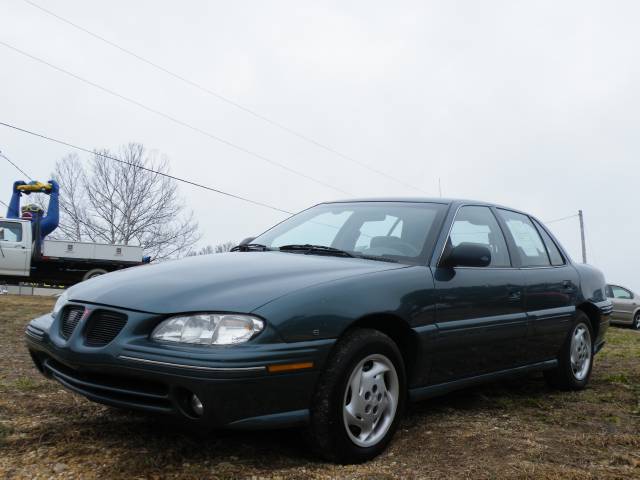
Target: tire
{"points": [[93, 273], [574, 374], [339, 419], [636, 321]]}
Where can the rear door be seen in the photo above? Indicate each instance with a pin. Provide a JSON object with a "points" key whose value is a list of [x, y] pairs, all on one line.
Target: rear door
{"points": [[14, 259], [480, 314], [551, 285]]}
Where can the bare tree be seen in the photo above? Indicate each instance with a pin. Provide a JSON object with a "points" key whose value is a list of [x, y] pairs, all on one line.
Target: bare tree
{"points": [[124, 203], [71, 176], [224, 247], [208, 249]]}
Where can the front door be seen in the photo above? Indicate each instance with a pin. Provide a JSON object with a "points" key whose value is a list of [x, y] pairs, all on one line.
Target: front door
{"points": [[13, 254], [480, 315]]}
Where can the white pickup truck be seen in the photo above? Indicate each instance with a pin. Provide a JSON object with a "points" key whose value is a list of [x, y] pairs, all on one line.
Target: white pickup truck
{"points": [[57, 262]]}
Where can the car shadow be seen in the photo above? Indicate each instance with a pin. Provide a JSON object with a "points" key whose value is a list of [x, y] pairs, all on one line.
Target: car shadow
{"points": [[166, 442], [164, 438], [528, 390], [172, 443]]}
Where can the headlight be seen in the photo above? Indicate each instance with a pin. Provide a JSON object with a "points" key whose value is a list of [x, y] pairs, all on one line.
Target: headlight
{"points": [[208, 329], [62, 300]]}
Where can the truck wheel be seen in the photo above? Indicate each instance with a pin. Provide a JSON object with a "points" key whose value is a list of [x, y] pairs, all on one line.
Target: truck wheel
{"points": [[576, 357], [93, 273], [359, 398]]}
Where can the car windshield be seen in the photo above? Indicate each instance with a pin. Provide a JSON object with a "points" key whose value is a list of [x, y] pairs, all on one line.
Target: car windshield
{"points": [[377, 230]]}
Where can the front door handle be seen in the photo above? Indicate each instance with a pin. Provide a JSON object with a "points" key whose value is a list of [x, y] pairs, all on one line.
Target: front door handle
{"points": [[515, 295], [568, 285]]}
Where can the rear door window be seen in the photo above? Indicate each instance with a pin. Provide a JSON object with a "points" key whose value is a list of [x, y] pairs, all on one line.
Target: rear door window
{"points": [[553, 250], [529, 245]]}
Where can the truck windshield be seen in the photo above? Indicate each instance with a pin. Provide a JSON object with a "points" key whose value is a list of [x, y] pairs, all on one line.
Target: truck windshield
{"points": [[378, 230]]}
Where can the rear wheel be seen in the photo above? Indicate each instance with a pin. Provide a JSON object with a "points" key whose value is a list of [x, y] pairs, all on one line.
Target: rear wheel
{"points": [[576, 358], [636, 321], [359, 398], [96, 272]]}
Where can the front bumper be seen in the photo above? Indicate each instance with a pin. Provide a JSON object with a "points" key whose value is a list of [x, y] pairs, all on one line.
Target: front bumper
{"points": [[233, 383]]}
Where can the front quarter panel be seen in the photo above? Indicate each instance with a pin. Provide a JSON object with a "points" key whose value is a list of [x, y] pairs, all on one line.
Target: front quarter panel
{"points": [[325, 311]]}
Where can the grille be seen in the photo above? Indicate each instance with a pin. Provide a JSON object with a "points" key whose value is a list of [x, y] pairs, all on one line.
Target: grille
{"points": [[103, 327], [70, 318]]}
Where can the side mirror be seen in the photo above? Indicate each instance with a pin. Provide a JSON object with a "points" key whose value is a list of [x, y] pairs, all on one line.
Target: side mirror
{"points": [[247, 240], [468, 255]]}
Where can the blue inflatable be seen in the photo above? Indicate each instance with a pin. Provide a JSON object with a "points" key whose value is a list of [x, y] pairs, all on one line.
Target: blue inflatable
{"points": [[49, 222]]}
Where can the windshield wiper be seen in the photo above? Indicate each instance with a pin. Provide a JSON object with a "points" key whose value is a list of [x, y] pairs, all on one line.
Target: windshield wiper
{"points": [[376, 257], [321, 249], [251, 247]]}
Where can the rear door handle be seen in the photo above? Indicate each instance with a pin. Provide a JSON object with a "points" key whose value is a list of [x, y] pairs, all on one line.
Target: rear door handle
{"points": [[568, 285]]}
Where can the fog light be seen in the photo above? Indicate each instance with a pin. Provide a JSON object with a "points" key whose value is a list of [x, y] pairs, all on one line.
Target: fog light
{"points": [[196, 405]]}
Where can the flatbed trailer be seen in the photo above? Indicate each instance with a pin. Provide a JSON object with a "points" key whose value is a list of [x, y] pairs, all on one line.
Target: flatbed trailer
{"points": [[57, 262]]}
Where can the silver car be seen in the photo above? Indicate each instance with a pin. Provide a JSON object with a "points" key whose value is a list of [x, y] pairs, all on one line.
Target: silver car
{"points": [[626, 306]]}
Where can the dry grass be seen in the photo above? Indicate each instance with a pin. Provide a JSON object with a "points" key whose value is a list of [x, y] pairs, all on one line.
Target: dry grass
{"points": [[518, 429]]}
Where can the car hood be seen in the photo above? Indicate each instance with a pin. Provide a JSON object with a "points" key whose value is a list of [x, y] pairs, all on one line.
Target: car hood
{"points": [[226, 282]]}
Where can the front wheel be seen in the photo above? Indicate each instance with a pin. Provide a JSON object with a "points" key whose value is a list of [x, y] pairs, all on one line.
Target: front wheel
{"points": [[359, 398], [576, 358]]}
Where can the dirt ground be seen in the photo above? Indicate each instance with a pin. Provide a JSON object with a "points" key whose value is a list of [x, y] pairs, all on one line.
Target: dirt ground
{"points": [[516, 429]]}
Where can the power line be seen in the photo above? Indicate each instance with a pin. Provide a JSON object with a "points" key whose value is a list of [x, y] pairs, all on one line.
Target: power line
{"points": [[178, 179], [4, 204], [16, 166], [221, 97], [560, 219], [174, 119]]}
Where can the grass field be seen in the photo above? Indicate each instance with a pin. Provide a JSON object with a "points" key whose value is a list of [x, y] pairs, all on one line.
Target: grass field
{"points": [[517, 429]]}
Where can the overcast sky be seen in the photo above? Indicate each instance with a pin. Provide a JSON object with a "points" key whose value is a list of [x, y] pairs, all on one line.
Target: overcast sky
{"points": [[535, 105]]}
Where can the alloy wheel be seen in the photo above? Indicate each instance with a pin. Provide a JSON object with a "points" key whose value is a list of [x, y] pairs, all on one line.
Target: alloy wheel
{"points": [[580, 352], [371, 400]]}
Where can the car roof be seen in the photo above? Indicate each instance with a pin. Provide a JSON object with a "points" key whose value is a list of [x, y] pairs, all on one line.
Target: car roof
{"points": [[445, 201], [454, 202]]}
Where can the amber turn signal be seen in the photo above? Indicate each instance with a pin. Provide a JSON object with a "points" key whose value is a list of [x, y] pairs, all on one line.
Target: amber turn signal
{"points": [[288, 367]]}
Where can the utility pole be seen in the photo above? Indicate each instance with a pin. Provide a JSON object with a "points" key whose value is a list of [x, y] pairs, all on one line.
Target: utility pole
{"points": [[584, 248], [439, 187]]}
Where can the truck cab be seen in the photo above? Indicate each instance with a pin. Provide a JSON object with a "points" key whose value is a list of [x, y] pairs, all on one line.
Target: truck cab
{"points": [[26, 255], [15, 247]]}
